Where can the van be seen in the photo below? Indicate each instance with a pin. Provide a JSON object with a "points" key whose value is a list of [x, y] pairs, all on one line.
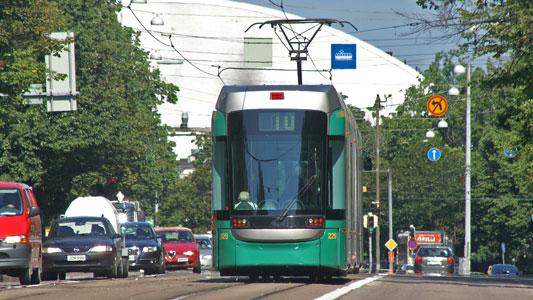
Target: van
{"points": [[20, 233]]}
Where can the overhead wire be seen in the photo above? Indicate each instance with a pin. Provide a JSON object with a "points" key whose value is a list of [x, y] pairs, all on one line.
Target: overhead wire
{"points": [[170, 45]]}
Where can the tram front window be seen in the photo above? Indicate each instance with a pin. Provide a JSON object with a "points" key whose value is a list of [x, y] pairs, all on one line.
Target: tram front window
{"points": [[277, 161]]}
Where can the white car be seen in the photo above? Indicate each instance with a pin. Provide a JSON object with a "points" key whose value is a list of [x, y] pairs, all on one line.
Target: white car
{"points": [[205, 245]]}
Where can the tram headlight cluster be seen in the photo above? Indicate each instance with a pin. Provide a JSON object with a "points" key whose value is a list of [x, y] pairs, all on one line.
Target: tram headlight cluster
{"points": [[315, 222], [239, 223]]}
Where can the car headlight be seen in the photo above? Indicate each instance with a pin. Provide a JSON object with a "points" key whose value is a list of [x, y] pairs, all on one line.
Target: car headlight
{"points": [[51, 250], [101, 248], [149, 249], [189, 253], [16, 239]]}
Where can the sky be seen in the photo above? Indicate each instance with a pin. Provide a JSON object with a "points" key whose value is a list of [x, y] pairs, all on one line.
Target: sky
{"points": [[377, 22]]}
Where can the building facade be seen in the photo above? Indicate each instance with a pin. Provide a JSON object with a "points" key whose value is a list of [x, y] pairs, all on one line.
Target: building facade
{"points": [[202, 45]]}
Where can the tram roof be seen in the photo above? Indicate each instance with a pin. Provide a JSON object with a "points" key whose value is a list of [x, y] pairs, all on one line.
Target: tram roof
{"points": [[313, 97]]}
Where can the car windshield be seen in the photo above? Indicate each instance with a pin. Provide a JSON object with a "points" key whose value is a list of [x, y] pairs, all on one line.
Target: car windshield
{"points": [[137, 231], [10, 202], [79, 228], [176, 236], [434, 252]]}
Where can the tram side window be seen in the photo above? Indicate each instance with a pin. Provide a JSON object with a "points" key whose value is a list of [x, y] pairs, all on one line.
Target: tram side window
{"points": [[337, 174], [220, 199]]}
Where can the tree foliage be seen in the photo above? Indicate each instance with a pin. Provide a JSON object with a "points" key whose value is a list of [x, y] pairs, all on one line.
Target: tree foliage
{"points": [[430, 195], [116, 131], [189, 202]]}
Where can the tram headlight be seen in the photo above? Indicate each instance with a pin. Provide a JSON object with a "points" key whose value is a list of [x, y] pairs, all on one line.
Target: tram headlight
{"points": [[239, 223]]}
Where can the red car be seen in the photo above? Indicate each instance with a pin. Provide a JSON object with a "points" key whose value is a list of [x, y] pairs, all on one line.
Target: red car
{"points": [[20, 233], [181, 250]]}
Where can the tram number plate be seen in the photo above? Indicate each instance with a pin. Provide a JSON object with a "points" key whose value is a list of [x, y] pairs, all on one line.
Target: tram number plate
{"points": [[76, 258], [332, 235], [183, 259]]}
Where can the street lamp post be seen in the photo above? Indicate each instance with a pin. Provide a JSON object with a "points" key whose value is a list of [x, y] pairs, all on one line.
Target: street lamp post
{"points": [[468, 245], [467, 175]]}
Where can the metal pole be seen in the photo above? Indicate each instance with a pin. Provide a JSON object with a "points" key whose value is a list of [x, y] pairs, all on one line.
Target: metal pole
{"points": [[389, 184], [378, 104], [467, 176], [390, 202], [299, 68], [370, 252]]}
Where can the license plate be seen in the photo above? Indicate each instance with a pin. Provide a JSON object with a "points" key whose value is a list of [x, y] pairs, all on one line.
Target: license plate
{"points": [[132, 257], [434, 262], [183, 259], [76, 258]]}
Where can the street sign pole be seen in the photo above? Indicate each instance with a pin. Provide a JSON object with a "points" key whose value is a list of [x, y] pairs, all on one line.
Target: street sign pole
{"points": [[370, 252]]}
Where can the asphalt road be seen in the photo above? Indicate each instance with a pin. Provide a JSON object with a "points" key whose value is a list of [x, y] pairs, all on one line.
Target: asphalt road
{"points": [[208, 285]]}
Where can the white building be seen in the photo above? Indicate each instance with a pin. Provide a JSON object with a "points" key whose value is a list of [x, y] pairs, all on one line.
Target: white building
{"points": [[203, 46]]}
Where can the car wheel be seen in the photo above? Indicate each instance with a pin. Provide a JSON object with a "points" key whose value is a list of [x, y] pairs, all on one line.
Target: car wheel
{"points": [[120, 269], [36, 276], [197, 269], [37, 272], [125, 267], [25, 276], [162, 267], [113, 272]]}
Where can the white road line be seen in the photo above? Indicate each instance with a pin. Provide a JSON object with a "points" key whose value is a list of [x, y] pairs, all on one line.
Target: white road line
{"points": [[344, 290]]}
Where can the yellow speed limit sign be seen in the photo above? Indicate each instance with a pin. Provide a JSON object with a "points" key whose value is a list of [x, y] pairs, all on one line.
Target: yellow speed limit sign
{"points": [[437, 105]]}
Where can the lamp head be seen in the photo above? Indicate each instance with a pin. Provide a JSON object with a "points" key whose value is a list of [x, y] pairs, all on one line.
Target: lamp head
{"points": [[459, 69]]}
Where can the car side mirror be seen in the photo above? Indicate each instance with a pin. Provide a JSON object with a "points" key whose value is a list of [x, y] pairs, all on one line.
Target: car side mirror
{"points": [[34, 211]]}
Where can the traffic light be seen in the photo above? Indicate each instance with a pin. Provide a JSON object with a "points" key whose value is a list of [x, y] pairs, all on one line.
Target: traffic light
{"points": [[370, 224], [374, 208]]}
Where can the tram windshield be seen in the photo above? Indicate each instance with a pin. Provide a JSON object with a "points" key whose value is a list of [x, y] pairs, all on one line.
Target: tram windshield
{"points": [[277, 161]]}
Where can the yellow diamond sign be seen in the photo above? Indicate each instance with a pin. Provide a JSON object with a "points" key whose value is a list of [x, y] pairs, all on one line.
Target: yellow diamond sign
{"points": [[391, 244]]}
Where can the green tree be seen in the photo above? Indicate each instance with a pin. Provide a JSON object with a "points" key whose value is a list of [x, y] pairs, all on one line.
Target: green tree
{"points": [[190, 201], [430, 195], [24, 29], [116, 131]]}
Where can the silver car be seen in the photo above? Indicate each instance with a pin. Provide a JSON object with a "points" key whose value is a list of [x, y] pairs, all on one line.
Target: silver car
{"points": [[205, 246], [434, 260]]}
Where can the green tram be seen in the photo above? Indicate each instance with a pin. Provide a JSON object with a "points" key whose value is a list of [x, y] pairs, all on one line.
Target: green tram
{"points": [[287, 173]]}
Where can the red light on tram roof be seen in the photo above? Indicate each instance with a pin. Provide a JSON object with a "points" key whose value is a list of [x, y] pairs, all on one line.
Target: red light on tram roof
{"points": [[277, 96]]}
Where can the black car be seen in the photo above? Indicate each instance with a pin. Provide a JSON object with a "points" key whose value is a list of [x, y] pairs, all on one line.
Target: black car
{"points": [[503, 270], [145, 249], [434, 260], [82, 244]]}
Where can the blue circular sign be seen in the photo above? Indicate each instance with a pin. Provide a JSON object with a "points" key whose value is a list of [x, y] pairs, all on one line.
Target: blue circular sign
{"points": [[412, 244], [510, 153], [434, 154]]}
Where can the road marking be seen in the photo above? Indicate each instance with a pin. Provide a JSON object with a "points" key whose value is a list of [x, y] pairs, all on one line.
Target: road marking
{"points": [[345, 290]]}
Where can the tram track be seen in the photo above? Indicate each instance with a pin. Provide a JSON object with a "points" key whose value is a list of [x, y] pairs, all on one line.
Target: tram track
{"points": [[247, 289]]}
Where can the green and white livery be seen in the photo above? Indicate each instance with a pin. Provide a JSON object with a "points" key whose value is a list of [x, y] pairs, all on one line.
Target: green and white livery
{"points": [[286, 182]]}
